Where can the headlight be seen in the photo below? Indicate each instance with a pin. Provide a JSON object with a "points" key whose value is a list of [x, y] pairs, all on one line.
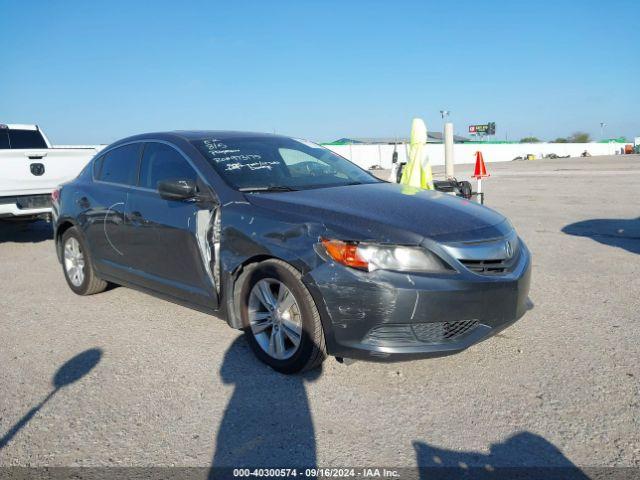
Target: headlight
{"points": [[368, 256]]}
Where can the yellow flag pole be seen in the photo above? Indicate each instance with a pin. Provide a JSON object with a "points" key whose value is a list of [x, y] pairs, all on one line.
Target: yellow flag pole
{"points": [[417, 172]]}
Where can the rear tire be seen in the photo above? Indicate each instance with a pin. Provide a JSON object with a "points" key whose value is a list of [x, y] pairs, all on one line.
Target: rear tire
{"points": [[290, 316], [77, 266]]}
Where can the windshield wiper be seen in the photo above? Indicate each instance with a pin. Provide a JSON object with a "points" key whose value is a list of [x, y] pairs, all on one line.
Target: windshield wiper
{"points": [[268, 188]]}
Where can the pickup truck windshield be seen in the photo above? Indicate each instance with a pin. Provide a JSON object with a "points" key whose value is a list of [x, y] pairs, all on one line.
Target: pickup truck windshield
{"points": [[15, 139], [278, 164]]}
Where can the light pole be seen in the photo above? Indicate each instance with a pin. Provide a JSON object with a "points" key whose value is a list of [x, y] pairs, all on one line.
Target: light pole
{"points": [[602, 125], [444, 114], [447, 140]]}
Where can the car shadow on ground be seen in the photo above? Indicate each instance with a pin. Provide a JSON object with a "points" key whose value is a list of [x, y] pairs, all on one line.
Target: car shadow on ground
{"points": [[621, 233], [523, 455], [25, 232], [267, 422], [72, 371]]}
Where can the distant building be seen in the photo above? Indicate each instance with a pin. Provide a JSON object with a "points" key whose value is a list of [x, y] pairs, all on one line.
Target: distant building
{"points": [[432, 137]]}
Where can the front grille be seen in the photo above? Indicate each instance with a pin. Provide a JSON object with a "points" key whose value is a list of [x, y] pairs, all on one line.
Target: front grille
{"points": [[405, 333], [439, 332], [496, 256], [487, 267]]}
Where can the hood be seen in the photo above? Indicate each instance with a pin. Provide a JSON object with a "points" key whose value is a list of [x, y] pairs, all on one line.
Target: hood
{"points": [[387, 211]]}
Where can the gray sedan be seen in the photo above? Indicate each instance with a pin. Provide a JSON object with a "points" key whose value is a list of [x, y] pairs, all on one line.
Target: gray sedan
{"points": [[306, 252]]}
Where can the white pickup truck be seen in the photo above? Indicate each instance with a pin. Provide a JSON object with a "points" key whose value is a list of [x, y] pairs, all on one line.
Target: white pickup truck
{"points": [[31, 168]]}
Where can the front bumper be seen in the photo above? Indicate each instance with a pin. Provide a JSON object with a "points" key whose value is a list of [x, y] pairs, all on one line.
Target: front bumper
{"points": [[397, 316]]}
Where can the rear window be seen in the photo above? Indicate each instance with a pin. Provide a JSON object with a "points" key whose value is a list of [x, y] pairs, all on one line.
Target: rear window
{"points": [[15, 139], [120, 165]]}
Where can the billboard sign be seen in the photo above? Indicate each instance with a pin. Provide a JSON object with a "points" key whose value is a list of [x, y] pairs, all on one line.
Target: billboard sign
{"points": [[484, 129]]}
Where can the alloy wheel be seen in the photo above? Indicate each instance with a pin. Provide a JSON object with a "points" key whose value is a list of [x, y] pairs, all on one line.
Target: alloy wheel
{"points": [[275, 318], [74, 261]]}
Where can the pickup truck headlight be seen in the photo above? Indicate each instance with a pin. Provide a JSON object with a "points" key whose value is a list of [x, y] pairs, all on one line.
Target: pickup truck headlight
{"points": [[370, 256]]}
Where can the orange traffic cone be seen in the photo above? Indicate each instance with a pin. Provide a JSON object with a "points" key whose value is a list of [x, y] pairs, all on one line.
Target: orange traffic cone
{"points": [[480, 170]]}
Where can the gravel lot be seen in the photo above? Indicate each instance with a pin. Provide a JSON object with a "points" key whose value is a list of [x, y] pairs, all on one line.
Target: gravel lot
{"points": [[172, 386]]}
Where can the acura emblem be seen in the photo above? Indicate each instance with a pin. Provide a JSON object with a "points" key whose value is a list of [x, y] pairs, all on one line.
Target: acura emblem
{"points": [[37, 169], [508, 249]]}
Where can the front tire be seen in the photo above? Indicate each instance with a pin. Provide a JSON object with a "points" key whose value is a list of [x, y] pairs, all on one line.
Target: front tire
{"points": [[281, 321], [76, 265]]}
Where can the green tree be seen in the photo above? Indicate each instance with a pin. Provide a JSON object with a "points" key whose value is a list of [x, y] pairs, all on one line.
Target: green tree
{"points": [[579, 137], [560, 140], [530, 140]]}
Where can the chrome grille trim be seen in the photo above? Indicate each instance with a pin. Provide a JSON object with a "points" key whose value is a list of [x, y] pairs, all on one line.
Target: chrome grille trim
{"points": [[495, 256], [491, 249]]}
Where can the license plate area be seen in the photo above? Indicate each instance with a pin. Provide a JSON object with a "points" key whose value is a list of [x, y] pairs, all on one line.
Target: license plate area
{"points": [[29, 202]]}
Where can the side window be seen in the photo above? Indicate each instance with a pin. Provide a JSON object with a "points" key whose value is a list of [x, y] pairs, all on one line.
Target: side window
{"points": [[97, 166], [162, 162], [120, 165]]}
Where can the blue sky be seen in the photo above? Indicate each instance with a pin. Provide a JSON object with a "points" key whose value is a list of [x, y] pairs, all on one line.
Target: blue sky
{"points": [[95, 71]]}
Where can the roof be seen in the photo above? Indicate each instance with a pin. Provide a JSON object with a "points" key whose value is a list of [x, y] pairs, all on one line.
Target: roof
{"points": [[438, 136], [432, 137], [19, 126], [188, 135], [222, 134]]}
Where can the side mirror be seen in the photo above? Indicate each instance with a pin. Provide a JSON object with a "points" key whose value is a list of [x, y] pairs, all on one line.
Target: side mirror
{"points": [[177, 189]]}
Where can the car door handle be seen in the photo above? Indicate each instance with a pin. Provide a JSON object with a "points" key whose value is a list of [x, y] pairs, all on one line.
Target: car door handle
{"points": [[35, 155], [83, 202], [136, 217]]}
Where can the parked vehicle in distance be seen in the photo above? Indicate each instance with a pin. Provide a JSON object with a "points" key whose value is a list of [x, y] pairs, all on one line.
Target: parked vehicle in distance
{"points": [[306, 252], [30, 169]]}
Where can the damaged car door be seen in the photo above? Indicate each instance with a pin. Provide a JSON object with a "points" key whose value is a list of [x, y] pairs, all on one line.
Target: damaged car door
{"points": [[170, 214]]}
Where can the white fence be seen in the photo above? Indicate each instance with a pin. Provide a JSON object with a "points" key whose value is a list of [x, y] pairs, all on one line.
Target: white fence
{"points": [[368, 155], [97, 147]]}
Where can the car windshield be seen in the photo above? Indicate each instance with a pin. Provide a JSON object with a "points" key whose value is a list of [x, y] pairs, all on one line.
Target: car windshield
{"points": [[279, 164]]}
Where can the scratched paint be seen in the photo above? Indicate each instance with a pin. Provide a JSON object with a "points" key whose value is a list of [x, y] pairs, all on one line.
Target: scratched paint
{"points": [[203, 227]]}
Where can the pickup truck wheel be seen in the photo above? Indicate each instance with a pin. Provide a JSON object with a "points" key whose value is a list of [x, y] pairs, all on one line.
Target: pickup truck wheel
{"points": [[76, 264], [281, 320]]}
